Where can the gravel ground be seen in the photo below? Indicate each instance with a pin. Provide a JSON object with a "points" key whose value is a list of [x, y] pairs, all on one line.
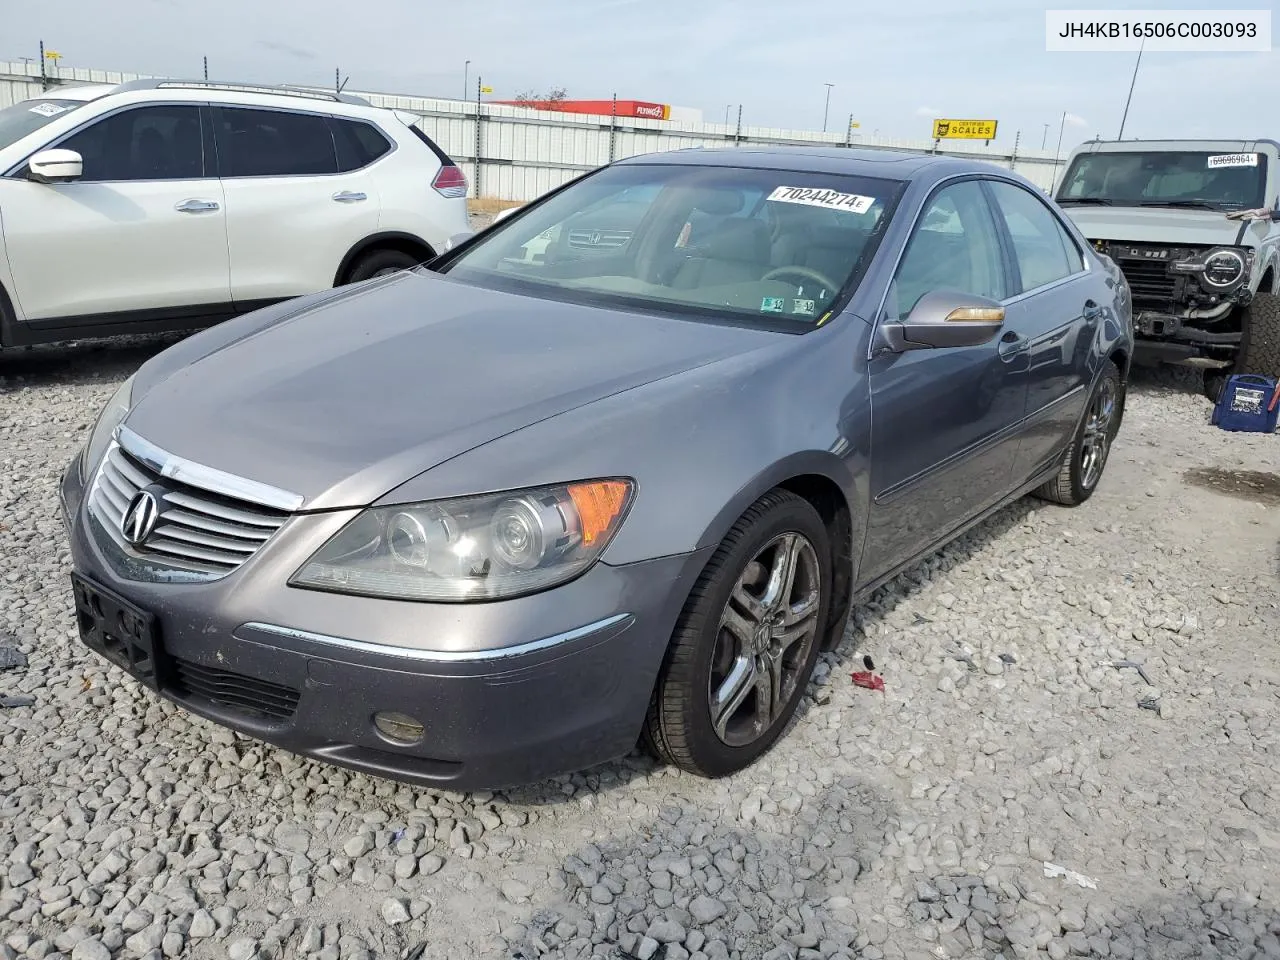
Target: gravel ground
{"points": [[1006, 795]]}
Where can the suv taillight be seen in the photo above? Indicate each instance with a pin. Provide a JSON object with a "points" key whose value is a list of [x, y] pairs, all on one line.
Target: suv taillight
{"points": [[450, 182]]}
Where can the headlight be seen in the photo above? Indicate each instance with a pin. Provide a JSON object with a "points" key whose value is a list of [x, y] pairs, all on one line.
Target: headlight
{"points": [[108, 419], [471, 548], [1223, 268]]}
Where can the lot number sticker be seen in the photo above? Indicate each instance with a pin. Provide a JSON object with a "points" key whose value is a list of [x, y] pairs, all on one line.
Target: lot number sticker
{"points": [[48, 109], [1233, 160], [818, 197]]}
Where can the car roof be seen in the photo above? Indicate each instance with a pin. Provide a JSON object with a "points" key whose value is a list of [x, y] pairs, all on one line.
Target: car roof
{"points": [[93, 91], [884, 164]]}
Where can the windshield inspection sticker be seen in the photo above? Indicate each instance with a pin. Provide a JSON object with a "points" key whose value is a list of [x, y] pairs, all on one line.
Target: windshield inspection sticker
{"points": [[773, 304], [48, 109], [818, 197], [806, 307], [1233, 160]]}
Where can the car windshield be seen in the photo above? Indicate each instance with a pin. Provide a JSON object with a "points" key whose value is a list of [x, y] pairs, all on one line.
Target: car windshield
{"points": [[29, 116], [1211, 179], [762, 246]]}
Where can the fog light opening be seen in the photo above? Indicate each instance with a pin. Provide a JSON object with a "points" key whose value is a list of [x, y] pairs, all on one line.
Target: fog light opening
{"points": [[398, 727]]}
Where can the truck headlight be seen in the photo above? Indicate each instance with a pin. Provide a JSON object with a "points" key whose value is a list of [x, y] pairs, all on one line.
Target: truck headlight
{"points": [[1223, 268], [488, 547]]}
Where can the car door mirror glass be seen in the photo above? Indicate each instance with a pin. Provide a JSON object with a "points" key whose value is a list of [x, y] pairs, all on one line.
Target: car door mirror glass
{"points": [[55, 166]]}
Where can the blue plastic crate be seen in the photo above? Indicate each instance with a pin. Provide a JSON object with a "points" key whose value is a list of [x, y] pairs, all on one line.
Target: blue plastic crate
{"points": [[1248, 402]]}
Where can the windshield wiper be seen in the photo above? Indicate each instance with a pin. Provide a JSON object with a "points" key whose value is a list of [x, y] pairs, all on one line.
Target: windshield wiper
{"points": [[1191, 204], [1100, 201]]}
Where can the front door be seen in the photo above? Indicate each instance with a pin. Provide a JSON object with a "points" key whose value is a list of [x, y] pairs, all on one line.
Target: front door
{"points": [[142, 231], [944, 421]]}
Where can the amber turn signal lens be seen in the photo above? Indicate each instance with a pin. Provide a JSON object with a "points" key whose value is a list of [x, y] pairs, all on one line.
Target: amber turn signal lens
{"points": [[599, 504], [976, 315]]}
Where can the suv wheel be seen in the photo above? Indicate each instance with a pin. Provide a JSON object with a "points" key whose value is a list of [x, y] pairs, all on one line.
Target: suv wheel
{"points": [[1259, 345], [745, 645], [379, 263]]}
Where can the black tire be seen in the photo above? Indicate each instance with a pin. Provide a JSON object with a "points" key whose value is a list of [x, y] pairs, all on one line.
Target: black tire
{"points": [[1077, 478], [1259, 344], [380, 261], [679, 728]]}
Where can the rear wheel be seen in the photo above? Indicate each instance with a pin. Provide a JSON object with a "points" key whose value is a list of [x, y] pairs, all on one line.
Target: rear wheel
{"points": [[746, 642], [1259, 344], [1091, 446], [379, 263]]}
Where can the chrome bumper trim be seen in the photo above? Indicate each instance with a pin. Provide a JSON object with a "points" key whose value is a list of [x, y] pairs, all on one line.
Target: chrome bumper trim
{"points": [[619, 620]]}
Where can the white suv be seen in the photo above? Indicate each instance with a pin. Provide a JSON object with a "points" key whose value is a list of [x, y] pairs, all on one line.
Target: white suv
{"points": [[171, 205]]}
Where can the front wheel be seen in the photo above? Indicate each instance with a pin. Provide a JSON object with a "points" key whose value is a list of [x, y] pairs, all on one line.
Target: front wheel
{"points": [[745, 645], [1091, 445], [1259, 350], [379, 263]]}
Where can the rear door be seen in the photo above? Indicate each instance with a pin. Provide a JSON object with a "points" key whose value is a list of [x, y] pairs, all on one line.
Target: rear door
{"points": [[293, 212], [1055, 310], [142, 232]]}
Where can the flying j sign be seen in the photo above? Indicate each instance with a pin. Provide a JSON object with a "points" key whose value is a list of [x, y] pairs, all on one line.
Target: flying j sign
{"points": [[964, 129]]}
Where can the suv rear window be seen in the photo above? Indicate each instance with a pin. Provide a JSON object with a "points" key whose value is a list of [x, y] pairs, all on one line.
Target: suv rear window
{"points": [[274, 143], [358, 144]]}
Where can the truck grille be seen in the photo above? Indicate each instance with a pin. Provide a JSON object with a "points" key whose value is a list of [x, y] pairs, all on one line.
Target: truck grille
{"points": [[234, 690], [1149, 280], [196, 530]]}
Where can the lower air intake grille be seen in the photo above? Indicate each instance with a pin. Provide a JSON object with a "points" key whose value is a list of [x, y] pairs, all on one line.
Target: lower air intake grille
{"points": [[246, 694]]}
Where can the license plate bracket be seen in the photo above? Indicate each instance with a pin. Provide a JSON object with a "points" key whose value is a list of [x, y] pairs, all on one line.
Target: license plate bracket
{"points": [[119, 630]]}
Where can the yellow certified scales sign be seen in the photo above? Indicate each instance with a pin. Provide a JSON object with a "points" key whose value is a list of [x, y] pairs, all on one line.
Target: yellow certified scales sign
{"points": [[964, 129]]}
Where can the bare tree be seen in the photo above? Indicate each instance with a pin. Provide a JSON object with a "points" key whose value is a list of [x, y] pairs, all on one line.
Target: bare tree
{"points": [[550, 100]]}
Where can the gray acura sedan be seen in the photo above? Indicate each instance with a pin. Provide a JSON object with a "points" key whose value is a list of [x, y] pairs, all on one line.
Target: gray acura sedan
{"points": [[502, 516]]}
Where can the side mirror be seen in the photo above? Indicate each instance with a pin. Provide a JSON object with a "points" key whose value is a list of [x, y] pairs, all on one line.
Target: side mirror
{"points": [[457, 239], [1275, 215], [943, 319], [503, 214], [55, 166]]}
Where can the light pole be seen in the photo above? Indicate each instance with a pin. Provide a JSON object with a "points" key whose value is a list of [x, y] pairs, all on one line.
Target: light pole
{"points": [[1045, 138], [1132, 81], [726, 113], [1057, 152], [827, 107], [466, 87]]}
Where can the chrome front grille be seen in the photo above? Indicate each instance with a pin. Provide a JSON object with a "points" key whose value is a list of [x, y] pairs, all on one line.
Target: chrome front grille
{"points": [[196, 530], [599, 239]]}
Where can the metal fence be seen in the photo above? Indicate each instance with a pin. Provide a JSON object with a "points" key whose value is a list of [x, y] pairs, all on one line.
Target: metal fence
{"points": [[515, 153]]}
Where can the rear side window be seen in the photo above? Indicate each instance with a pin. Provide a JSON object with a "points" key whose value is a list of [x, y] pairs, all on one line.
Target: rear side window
{"points": [[358, 144], [1041, 246], [274, 143]]}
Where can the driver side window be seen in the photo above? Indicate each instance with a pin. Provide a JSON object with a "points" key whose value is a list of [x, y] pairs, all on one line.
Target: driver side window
{"points": [[955, 247]]}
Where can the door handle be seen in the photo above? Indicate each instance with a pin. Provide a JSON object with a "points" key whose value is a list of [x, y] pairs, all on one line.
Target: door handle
{"points": [[1011, 344], [349, 196], [1091, 312], [195, 206]]}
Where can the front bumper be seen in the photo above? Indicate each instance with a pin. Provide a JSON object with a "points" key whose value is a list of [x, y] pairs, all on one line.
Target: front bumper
{"points": [[508, 692]]}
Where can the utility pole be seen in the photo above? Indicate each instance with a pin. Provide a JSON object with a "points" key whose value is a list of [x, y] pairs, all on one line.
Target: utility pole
{"points": [[726, 113], [1132, 81], [827, 106], [206, 68], [1045, 138], [1058, 151], [466, 69]]}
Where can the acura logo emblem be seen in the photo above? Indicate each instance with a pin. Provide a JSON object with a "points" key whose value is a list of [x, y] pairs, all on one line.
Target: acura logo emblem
{"points": [[140, 519]]}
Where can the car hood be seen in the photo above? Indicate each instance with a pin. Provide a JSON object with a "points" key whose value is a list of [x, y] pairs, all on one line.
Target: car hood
{"points": [[352, 396], [1155, 225]]}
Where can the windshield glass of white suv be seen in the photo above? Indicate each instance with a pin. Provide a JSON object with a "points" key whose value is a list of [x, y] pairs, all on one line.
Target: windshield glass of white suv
{"points": [[771, 247], [1208, 179], [29, 116]]}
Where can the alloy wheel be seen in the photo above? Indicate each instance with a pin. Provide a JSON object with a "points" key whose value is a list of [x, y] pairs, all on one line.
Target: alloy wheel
{"points": [[767, 630], [1095, 445]]}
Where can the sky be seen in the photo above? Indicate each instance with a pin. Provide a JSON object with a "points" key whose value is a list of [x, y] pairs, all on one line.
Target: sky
{"points": [[894, 66]]}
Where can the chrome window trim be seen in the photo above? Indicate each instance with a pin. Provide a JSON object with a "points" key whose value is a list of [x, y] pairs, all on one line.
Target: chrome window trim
{"points": [[205, 478], [621, 620]]}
